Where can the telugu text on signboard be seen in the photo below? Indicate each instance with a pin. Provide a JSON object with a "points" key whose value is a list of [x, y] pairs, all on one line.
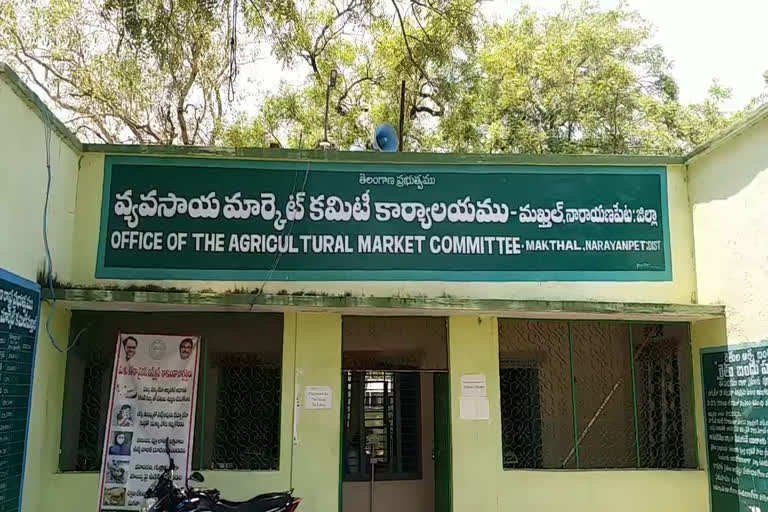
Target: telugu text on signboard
{"points": [[735, 386], [19, 317], [223, 220]]}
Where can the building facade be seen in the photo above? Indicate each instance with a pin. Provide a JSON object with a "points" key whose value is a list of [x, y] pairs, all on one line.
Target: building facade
{"points": [[557, 366]]}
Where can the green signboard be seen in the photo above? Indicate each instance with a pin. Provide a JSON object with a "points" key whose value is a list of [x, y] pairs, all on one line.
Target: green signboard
{"points": [[250, 220], [735, 386], [19, 313]]}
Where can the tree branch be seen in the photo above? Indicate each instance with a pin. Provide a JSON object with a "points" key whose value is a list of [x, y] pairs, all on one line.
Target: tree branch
{"points": [[183, 96], [349, 88], [95, 132], [423, 108], [405, 40]]}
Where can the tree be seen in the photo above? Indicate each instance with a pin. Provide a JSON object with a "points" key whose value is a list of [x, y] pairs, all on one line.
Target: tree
{"points": [[583, 80], [141, 71], [154, 71], [374, 45]]}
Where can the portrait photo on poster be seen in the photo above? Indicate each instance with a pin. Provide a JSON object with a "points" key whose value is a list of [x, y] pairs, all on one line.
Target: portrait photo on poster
{"points": [[185, 348], [117, 470], [124, 415], [130, 346], [121, 443]]}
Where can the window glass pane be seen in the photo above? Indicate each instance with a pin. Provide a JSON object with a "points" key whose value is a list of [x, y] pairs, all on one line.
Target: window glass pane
{"points": [[603, 380], [238, 412], [536, 402]]}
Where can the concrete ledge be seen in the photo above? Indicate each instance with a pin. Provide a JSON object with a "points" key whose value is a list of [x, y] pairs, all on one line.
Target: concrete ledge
{"points": [[384, 158], [136, 300]]}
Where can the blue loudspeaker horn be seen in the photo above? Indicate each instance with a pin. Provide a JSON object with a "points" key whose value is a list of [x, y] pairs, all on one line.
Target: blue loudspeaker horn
{"points": [[385, 138]]}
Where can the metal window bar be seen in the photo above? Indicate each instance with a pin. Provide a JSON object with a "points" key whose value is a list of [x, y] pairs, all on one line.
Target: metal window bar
{"points": [[247, 411], [522, 430], [247, 424], [575, 449], [661, 424], [93, 415], [381, 420], [634, 398]]}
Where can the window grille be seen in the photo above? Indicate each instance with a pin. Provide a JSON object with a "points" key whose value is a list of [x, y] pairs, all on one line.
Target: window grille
{"points": [[382, 421], [247, 413], [239, 394], [595, 395]]}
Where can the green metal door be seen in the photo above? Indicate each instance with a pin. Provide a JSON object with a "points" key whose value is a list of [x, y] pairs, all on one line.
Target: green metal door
{"points": [[442, 401]]}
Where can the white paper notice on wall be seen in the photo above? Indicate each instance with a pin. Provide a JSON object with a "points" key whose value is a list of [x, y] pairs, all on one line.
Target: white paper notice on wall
{"points": [[474, 408], [473, 385], [318, 397]]}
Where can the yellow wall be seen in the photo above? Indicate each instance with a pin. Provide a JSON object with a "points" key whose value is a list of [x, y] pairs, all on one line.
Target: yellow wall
{"points": [[45, 417], [23, 179], [46, 488], [480, 484], [597, 491], [473, 344], [313, 341], [728, 211], [706, 334], [728, 188], [680, 290], [316, 451]]}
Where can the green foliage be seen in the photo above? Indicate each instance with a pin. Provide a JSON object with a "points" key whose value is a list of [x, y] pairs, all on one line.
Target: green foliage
{"points": [[145, 71], [582, 80], [374, 45]]}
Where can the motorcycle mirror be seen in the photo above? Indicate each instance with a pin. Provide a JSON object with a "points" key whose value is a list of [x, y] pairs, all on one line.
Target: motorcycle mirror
{"points": [[197, 477]]}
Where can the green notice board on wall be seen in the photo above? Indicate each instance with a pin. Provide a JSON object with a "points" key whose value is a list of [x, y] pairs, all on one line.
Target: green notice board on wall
{"points": [[167, 218], [735, 387], [19, 317]]}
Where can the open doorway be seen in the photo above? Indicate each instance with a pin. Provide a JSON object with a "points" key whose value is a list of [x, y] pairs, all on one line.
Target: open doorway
{"points": [[396, 417]]}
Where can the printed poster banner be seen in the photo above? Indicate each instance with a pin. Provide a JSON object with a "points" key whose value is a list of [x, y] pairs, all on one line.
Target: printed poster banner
{"points": [[248, 220], [153, 398], [735, 387]]}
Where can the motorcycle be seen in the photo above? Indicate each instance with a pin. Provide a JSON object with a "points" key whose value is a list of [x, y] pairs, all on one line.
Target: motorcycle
{"points": [[164, 496]]}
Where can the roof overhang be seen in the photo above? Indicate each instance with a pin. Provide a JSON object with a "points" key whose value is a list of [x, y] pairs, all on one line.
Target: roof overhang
{"points": [[125, 300]]}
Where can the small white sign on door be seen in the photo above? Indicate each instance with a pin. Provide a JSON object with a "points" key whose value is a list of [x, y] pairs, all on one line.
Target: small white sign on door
{"points": [[473, 385], [318, 397]]}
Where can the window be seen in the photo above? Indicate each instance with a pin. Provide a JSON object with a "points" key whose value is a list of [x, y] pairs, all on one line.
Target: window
{"points": [[247, 426], [239, 394], [595, 395], [382, 420], [521, 432]]}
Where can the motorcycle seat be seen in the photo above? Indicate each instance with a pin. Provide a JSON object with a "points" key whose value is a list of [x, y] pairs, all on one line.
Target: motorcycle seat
{"points": [[273, 501]]}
